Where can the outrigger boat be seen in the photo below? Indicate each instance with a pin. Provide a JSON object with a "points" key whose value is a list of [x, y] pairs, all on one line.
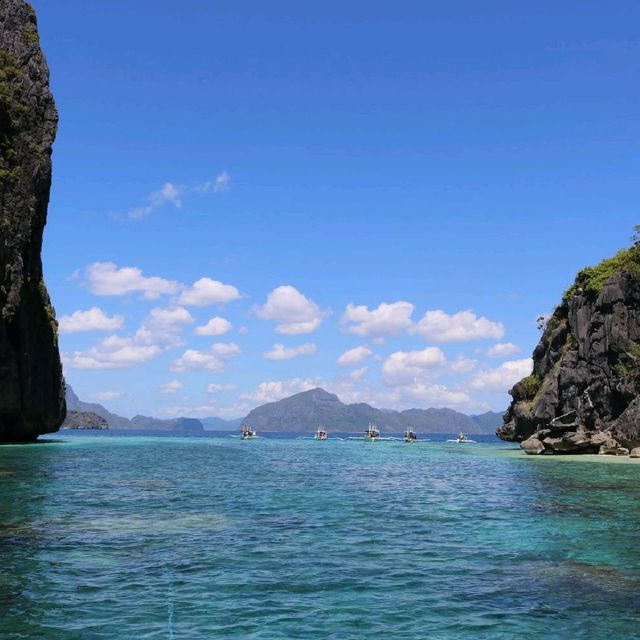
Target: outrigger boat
{"points": [[247, 433], [410, 435], [461, 439], [321, 434], [372, 433]]}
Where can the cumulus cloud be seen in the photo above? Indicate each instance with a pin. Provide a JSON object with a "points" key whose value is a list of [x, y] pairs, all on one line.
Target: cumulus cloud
{"points": [[278, 389], [160, 331], [430, 395], [293, 312], [220, 388], [403, 368], [171, 387], [386, 320], [354, 356], [502, 378], [192, 360], [226, 349], [107, 395], [502, 350], [463, 365], [94, 319], [207, 292], [358, 374], [217, 326], [169, 193], [463, 326], [280, 352], [212, 360], [106, 279]]}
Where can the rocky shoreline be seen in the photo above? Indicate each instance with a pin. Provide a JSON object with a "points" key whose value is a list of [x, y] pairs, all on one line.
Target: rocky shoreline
{"points": [[583, 395]]}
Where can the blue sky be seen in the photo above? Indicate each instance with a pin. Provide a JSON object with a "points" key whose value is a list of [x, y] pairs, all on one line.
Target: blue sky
{"points": [[442, 168]]}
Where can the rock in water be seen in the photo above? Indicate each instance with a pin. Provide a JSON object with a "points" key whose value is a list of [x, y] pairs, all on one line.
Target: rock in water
{"points": [[31, 382], [584, 393]]}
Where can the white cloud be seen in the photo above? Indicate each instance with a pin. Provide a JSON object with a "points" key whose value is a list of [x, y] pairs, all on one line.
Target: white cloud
{"points": [[192, 360], [293, 312], [169, 193], [354, 356], [280, 352], [107, 395], [386, 320], [502, 378], [171, 387], [217, 326], [463, 326], [243, 330], [221, 183], [358, 374], [463, 365], [403, 368], [104, 356], [502, 350], [94, 319], [159, 332], [226, 349], [106, 279], [220, 388], [207, 292], [213, 360], [430, 395], [278, 389]]}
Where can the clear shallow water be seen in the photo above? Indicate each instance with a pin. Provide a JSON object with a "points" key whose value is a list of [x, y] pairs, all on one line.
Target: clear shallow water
{"points": [[190, 538]]}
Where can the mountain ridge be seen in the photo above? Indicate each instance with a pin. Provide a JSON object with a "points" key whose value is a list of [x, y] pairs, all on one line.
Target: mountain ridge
{"points": [[305, 411]]}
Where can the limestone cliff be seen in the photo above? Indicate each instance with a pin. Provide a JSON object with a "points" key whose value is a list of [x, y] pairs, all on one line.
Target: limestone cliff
{"points": [[584, 393], [32, 396]]}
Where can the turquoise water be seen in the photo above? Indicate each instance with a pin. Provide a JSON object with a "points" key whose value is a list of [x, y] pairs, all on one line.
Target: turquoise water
{"points": [[190, 538]]}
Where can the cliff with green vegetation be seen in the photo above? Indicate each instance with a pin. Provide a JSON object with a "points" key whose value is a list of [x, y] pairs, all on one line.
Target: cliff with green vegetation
{"points": [[584, 393], [32, 397]]}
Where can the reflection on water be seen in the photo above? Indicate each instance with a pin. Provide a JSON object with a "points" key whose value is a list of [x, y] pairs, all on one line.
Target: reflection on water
{"points": [[212, 537]]}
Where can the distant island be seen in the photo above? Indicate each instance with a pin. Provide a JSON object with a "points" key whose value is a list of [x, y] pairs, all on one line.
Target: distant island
{"points": [[304, 411], [142, 423]]}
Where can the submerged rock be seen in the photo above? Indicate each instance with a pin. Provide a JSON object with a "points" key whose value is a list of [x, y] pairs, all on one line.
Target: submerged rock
{"points": [[32, 397], [583, 395]]}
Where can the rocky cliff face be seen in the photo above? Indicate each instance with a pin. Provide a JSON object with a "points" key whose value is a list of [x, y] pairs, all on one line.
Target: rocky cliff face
{"points": [[32, 396], [584, 393]]}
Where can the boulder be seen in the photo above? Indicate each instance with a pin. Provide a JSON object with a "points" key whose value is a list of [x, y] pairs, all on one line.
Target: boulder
{"points": [[532, 446]]}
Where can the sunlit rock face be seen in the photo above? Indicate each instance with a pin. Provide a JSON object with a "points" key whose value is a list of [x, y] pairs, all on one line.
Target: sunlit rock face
{"points": [[583, 395], [31, 382]]}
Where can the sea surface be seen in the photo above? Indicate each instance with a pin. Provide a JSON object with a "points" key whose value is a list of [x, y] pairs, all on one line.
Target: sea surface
{"points": [[135, 537]]}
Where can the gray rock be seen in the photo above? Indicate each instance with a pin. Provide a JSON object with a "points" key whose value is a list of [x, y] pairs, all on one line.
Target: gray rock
{"points": [[635, 453], [613, 451], [586, 371], [532, 446], [32, 398]]}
